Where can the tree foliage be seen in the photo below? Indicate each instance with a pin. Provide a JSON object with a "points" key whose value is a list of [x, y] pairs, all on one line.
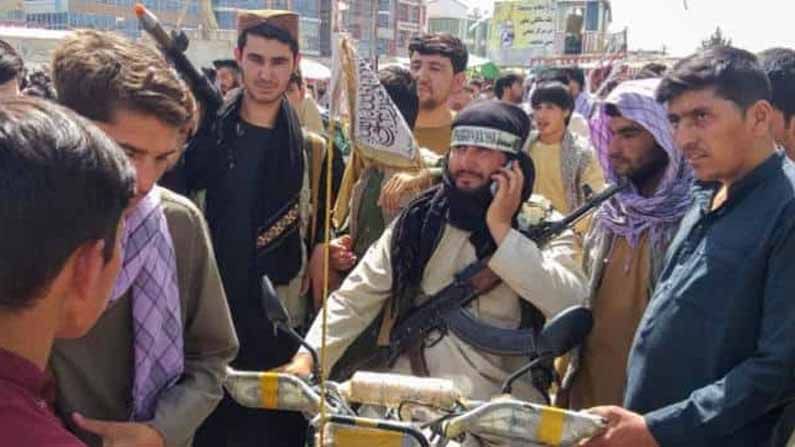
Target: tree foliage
{"points": [[717, 39]]}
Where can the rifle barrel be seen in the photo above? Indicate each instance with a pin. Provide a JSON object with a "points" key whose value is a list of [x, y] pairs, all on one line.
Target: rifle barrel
{"points": [[589, 206], [200, 85], [152, 26]]}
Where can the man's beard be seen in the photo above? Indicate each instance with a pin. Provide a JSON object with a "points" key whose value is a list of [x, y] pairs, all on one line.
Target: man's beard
{"points": [[250, 93], [468, 207], [264, 100], [429, 104], [432, 102], [650, 170]]}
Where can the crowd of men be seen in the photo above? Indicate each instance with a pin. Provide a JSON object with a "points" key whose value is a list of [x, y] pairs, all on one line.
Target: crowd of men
{"points": [[122, 301]]}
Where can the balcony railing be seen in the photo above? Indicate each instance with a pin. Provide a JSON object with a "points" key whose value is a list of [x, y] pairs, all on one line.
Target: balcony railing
{"points": [[586, 43]]}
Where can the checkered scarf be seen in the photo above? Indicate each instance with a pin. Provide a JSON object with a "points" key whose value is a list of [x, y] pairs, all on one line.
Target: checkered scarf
{"points": [[150, 268], [628, 213]]}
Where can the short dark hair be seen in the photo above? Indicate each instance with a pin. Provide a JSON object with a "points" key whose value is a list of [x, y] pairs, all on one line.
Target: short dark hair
{"points": [[734, 74], [779, 64], [576, 74], [651, 70], [443, 44], [268, 31], [64, 183], [505, 82], [11, 64], [402, 88], [553, 93], [554, 75]]}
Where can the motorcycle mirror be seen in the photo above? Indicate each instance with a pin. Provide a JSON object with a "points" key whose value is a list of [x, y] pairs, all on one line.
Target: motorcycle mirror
{"points": [[562, 333], [277, 314], [274, 309], [565, 331]]}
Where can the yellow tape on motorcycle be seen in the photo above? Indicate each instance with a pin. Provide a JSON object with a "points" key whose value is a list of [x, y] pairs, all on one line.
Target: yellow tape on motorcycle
{"points": [[269, 391], [550, 426], [339, 435]]}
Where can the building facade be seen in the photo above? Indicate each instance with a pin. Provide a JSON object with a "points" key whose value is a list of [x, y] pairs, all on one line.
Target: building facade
{"points": [[12, 12], [201, 18], [113, 15], [454, 17], [410, 21], [382, 27], [524, 31]]}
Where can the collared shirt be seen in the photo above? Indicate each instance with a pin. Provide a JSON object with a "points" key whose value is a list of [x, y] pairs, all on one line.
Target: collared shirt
{"points": [[26, 406], [714, 355]]}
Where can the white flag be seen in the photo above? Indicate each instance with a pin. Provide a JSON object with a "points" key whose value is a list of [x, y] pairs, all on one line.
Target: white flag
{"points": [[378, 130], [378, 123]]}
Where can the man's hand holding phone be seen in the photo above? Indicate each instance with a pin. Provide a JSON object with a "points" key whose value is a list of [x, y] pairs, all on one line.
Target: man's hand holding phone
{"points": [[507, 199]]}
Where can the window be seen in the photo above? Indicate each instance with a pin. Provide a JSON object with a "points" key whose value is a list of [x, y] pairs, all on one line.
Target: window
{"points": [[403, 12], [310, 36], [403, 39], [226, 19], [383, 19], [383, 47], [414, 14], [444, 26]]}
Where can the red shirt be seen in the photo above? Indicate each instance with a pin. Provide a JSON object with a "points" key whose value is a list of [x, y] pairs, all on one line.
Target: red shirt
{"points": [[26, 406]]}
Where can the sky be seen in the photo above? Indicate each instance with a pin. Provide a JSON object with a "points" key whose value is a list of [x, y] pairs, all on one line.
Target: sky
{"points": [[754, 25]]}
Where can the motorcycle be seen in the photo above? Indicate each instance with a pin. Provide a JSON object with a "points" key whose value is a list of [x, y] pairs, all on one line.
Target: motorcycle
{"points": [[419, 412]]}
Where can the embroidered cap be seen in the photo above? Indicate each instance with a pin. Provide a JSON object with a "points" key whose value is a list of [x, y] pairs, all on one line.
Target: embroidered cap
{"points": [[285, 20], [492, 125]]}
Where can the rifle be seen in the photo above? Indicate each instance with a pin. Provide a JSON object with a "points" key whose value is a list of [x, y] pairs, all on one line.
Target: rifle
{"points": [[474, 280], [173, 47], [545, 231]]}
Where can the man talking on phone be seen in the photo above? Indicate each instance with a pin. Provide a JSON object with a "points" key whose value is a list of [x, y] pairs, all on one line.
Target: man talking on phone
{"points": [[446, 229]]}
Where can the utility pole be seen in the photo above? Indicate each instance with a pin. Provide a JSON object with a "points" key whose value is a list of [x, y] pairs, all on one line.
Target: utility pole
{"points": [[374, 42]]}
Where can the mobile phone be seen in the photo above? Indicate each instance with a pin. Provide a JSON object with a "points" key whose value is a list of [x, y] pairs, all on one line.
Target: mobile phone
{"points": [[494, 185]]}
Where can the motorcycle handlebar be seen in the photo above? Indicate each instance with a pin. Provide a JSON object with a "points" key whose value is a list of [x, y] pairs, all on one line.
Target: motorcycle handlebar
{"points": [[530, 422]]}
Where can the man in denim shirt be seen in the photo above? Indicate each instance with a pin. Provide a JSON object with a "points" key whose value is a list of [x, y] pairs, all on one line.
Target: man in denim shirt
{"points": [[714, 356]]}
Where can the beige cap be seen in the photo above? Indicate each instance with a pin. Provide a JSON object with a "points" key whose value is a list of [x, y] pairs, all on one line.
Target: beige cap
{"points": [[286, 20]]}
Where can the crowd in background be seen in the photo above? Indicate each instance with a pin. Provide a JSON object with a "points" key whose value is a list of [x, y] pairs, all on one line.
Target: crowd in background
{"points": [[159, 217]]}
